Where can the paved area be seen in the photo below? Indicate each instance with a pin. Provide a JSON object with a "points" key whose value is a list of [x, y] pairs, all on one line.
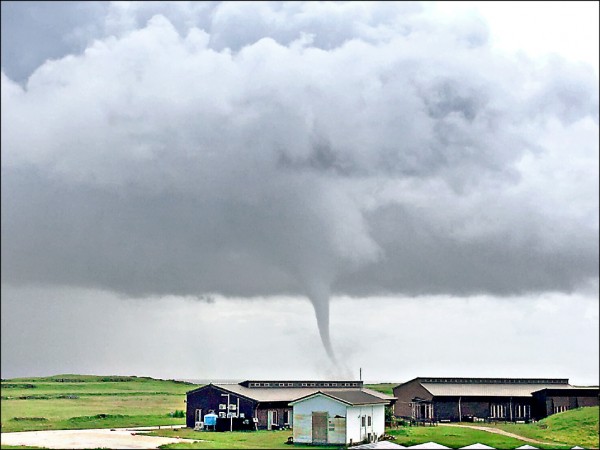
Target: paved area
{"points": [[127, 438], [498, 431]]}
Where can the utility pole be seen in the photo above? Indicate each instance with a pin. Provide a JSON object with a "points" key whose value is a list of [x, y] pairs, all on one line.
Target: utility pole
{"points": [[360, 374]]}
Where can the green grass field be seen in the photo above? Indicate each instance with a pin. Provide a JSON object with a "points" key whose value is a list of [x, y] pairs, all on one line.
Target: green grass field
{"points": [[86, 401], [236, 439], [453, 437], [385, 388], [575, 427]]}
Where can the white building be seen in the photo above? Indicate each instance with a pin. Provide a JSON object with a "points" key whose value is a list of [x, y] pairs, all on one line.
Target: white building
{"points": [[338, 417]]}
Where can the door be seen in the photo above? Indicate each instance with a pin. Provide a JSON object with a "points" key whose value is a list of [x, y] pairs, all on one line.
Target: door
{"points": [[271, 419], [319, 428]]}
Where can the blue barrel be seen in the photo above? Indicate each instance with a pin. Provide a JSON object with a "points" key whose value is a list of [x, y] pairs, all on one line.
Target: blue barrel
{"points": [[210, 419]]}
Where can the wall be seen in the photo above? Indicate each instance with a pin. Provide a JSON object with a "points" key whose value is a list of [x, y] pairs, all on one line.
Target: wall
{"points": [[354, 429], [209, 397], [302, 417], [405, 393], [264, 408], [547, 400], [446, 408]]}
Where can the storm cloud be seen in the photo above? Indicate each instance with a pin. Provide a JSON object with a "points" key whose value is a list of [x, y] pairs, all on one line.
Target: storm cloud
{"points": [[308, 149]]}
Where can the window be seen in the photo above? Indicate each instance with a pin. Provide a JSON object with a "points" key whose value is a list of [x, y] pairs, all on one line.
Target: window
{"points": [[222, 406], [559, 409], [290, 384], [222, 414], [326, 384], [497, 411], [275, 417], [362, 421], [242, 415], [304, 384], [198, 416], [369, 421], [232, 407], [281, 384], [286, 417]]}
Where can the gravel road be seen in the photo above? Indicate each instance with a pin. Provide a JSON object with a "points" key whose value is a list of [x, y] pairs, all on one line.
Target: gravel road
{"points": [[96, 438]]}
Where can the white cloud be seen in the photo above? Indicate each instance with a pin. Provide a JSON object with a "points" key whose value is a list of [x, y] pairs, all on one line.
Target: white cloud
{"points": [[300, 149]]}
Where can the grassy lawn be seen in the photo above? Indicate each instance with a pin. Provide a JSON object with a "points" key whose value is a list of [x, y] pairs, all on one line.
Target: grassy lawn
{"points": [[236, 439], [453, 437], [575, 427], [385, 388], [86, 401]]}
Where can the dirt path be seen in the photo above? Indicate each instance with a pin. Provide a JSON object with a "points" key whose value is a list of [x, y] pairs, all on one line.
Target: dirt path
{"points": [[499, 431], [128, 438]]}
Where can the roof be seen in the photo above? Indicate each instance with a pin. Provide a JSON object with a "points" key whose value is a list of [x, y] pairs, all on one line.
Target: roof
{"points": [[590, 389], [429, 445], [302, 383], [489, 387], [287, 395], [492, 380], [477, 446], [350, 397], [484, 390], [390, 398]]}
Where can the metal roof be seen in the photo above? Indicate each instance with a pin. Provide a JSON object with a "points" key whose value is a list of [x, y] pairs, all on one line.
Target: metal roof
{"points": [[488, 389], [492, 380], [379, 394], [349, 396], [285, 394], [336, 384]]}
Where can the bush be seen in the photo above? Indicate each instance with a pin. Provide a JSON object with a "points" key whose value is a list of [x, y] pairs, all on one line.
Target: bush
{"points": [[34, 419], [177, 413]]}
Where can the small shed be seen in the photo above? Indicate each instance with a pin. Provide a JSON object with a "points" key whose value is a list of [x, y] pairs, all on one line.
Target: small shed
{"points": [[338, 417]]}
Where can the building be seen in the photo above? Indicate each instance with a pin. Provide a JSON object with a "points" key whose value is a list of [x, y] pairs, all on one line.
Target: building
{"points": [[510, 399], [554, 400], [338, 417], [254, 404]]}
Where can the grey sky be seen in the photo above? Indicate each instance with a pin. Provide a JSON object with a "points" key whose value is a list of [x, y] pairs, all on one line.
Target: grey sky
{"points": [[284, 150]]}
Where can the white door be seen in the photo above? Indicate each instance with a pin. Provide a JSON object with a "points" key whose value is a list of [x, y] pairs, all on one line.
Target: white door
{"points": [[271, 419]]}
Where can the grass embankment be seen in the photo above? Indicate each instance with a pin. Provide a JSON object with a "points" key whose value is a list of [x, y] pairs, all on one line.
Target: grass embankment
{"points": [[385, 388], [87, 401], [575, 427]]}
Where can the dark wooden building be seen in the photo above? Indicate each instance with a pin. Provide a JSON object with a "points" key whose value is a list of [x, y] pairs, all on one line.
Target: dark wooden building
{"points": [[554, 400], [508, 399], [257, 404]]}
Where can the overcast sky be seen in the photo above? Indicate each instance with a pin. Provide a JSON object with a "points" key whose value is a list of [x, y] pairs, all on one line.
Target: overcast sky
{"points": [[296, 190]]}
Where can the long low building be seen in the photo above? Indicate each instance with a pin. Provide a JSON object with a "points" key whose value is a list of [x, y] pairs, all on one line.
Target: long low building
{"points": [[510, 399], [258, 404]]}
